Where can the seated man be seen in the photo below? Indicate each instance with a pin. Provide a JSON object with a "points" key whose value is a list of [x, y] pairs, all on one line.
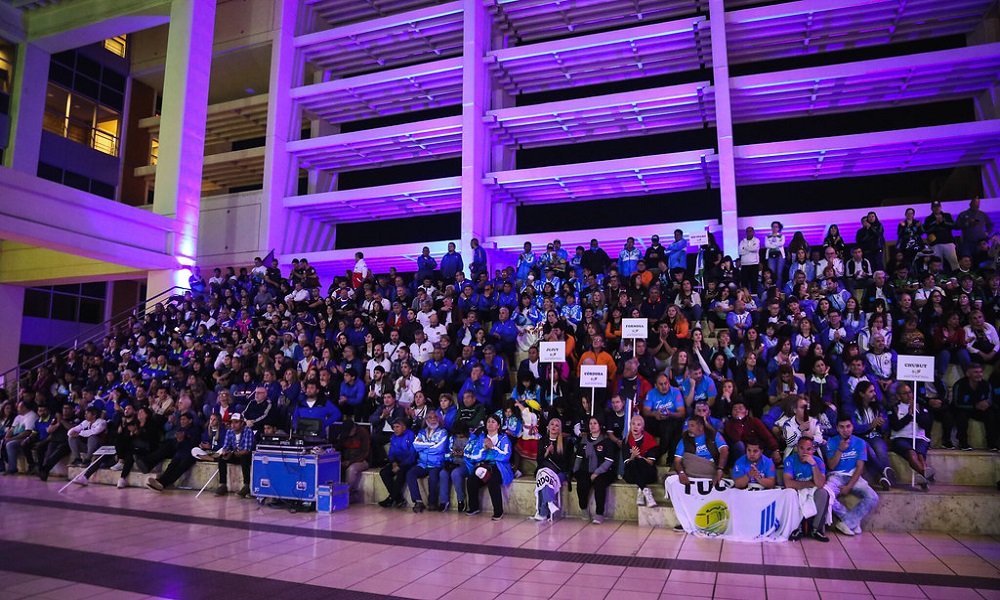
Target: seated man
{"points": [[753, 470], [89, 431], [903, 434], [699, 454], [236, 450], [664, 411], [18, 433], [387, 413], [845, 458], [187, 436], [743, 428], [401, 458], [430, 445], [806, 474], [56, 446]]}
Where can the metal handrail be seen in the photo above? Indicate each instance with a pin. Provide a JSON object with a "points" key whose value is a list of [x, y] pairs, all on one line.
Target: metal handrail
{"points": [[89, 335]]}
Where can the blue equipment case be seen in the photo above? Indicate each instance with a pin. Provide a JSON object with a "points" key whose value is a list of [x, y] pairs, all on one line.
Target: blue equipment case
{"points": [[293, 475]]}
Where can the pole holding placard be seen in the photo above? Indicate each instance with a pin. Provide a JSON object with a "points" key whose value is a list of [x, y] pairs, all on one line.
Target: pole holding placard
{"points": [[916, 369]]}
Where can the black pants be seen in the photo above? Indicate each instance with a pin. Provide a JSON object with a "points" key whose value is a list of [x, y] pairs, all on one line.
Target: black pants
{"points": [[990, 418], [749, 277], [395, 483], [639, 472], [600, 485], [474, 485], [244, 461], [945, 415], [179, 465], [668, 432], [29, 447], [54, 452]]}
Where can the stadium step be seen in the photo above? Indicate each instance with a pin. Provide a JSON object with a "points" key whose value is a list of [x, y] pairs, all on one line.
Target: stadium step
{"points": [[194, 479], [954, 467]]}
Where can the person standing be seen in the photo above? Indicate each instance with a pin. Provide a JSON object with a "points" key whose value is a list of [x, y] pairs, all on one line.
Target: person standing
{"points": [[976, 226], [940, 237], [750, 261]]}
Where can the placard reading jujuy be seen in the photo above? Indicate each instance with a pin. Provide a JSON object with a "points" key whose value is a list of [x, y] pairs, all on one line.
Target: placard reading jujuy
{"points": [[633, 329], [594, 376], [552, 352], [915, 368]]}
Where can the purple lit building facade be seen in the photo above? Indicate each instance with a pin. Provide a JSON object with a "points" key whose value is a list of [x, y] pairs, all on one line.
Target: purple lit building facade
{"points": [[331, 88]]}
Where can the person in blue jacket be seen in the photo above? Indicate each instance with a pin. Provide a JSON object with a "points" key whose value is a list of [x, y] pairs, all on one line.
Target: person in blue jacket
{"points": [[870, 423], [489, 466], [314, 407], [430, 445], [447, 411], [352, 395], [425, 264], [478, 264], [451, 263], [402, 457]]}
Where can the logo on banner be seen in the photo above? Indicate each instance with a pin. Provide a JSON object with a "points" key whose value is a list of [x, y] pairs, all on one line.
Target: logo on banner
{"points": [[769, 519], [712, 518]]}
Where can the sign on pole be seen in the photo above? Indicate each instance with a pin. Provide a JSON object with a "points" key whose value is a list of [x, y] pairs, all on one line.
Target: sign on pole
{"points": [[593, 376], [698, 238], [633, 329], [915, 368], [552, 352]]}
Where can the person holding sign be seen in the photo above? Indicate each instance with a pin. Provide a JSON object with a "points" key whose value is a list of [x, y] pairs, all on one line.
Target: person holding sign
{"points": [[908, 441], [664, 411]]}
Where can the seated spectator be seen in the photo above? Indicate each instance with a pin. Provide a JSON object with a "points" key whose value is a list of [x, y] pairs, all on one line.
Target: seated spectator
{"points": [[911, 440], [806, 473], [700, 454], [236, 450], [471, 412], [91, 432], [212, 440], [871, 424], [37, 440], [846, 456], [57, 444], [640, 462], [401, 458], [742, 428], [754, 470], [973, 399], [554, 463], [382, 425], [594, 469], [455, 467], [664, 412], [795, 424], [491, 457], [430, 445], [187, 436], [18, 433]]}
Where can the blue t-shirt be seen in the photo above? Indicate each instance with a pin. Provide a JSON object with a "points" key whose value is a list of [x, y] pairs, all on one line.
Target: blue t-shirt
{"points": [[857, 450], [657, 402], [800, 470], [700, 447], [742, 467]]}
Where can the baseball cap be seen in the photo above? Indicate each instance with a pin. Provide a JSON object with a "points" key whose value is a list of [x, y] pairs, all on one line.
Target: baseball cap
{"points": [[236, 417]]}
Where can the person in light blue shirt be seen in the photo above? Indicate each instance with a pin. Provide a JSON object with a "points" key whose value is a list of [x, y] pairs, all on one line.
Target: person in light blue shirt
{"points": [[629, 257], [664, 412], [845, 457], [677, 251], [754, 470], [805, 471]]}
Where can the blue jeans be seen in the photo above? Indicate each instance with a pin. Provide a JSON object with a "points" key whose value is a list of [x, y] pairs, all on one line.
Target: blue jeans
{"points": [[13, 448], [878, 457], [414, 475], [867, 498], [457, 477], [777, 266], [959, 356]]}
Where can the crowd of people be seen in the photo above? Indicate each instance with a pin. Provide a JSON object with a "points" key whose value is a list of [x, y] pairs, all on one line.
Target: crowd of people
{"points": [[782, 358]]}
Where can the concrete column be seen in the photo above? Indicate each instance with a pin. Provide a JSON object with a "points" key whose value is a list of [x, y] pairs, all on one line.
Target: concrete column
{"points": [[476, 91], [11, 313], [283, 117], [182, 121], [158, 282], [724, 128], [27, 109]]}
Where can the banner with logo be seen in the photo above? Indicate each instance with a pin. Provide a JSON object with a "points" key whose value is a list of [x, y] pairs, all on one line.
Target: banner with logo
{"points": [[722, 511]]}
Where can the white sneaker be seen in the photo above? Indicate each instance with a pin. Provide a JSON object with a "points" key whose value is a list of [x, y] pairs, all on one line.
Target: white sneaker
{"points": [[597, 520], [537, 517], [118, 466], [857, 530], [843, 528], [640, 498], [121, 483], [648, 493]]}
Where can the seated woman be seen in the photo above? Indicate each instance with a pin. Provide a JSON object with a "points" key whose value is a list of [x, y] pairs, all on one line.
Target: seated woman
{"points": [[640, 462], [490, 458], [594, 468], [553, 460]]}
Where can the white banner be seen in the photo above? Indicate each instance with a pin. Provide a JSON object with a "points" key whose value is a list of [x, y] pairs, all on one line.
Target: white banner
{"points": [[707, 510], [552, 352], [633, 329], [594, 376], [915, 368]]}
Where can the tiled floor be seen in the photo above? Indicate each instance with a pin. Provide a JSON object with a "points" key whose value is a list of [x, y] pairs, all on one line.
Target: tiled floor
{"points": [[92, 542]]}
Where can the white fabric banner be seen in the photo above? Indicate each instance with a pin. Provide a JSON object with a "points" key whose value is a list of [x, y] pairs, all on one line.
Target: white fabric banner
{"points": [[721, 511]]}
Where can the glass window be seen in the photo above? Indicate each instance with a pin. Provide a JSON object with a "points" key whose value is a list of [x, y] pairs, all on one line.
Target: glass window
{"points": [[91, 311], [36, 303], [69, 288], [64, 307], [96, 289], [82, 120]]}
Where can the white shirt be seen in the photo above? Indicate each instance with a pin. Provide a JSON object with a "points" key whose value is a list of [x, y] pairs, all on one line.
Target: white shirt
{"points": [[406, 387], [25, 422], [434, 333], [749, 252], [421, 352], [87, 429]]}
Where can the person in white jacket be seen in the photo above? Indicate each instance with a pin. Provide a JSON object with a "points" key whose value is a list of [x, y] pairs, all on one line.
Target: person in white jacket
{"points": [[750, 261], [90, 431]]}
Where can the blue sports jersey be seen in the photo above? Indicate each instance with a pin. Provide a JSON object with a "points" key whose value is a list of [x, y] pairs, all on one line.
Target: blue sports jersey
{"points": [[700, 447], [857, 450], [742, 467], [800, 470]]}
